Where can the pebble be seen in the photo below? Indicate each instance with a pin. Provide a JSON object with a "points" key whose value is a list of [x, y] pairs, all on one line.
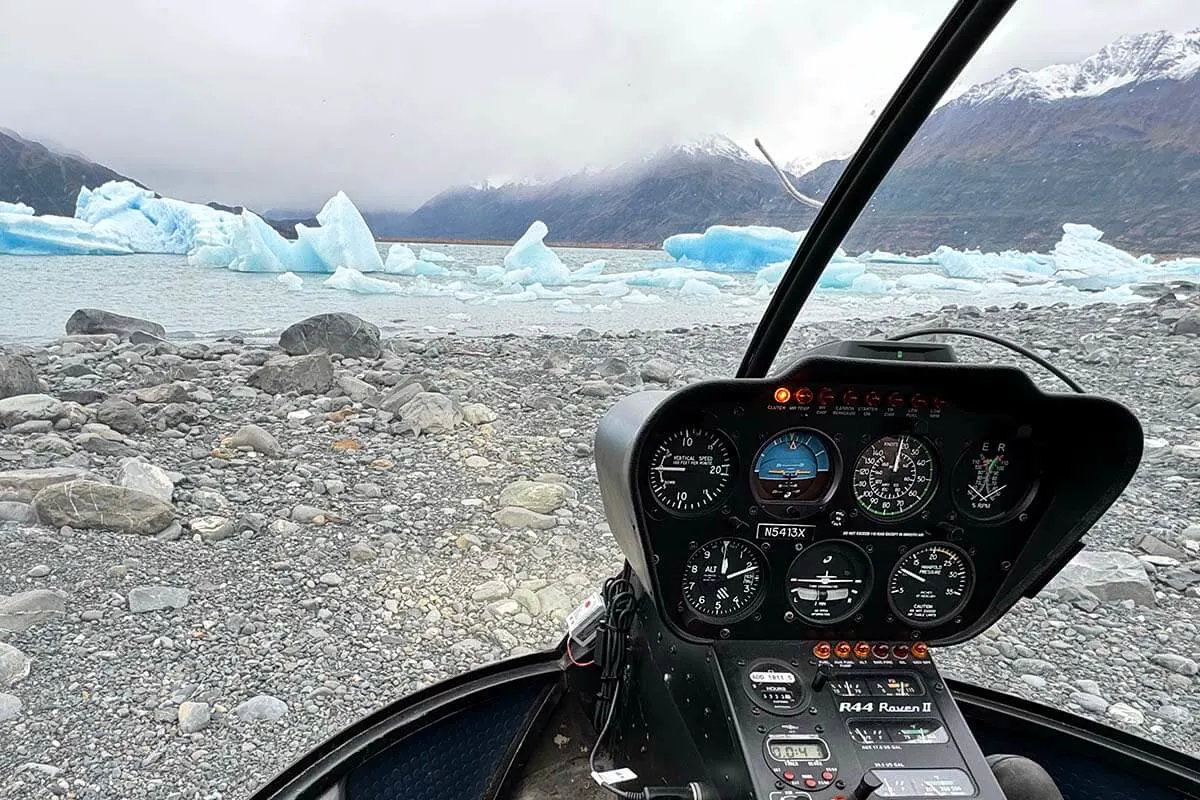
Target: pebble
{"points": [[1126, 713], [261, 708], [331, 579], [38, 571], [10, 707], [193, 717], [143, 599]]}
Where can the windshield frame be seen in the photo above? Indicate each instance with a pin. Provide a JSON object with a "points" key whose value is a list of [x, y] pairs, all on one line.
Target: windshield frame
{"points": [[961, 34]]}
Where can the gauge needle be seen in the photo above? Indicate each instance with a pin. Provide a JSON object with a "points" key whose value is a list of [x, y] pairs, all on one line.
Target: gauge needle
{"points": [[911, 574], [725, 558], [993, 492], [750, 568], [899, 450], [671, 469], [971, 488]]}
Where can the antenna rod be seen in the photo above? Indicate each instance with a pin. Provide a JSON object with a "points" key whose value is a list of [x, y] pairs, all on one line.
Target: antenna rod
{"points": [[792, 191]]}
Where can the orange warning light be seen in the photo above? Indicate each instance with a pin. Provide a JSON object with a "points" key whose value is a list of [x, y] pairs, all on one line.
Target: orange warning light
{"points": [[783, 394], [822, 650], [919, 650], [862, 649], [842, 650]]}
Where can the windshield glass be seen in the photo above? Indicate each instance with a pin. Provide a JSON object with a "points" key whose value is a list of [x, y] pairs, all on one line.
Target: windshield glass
{"points": [[231, 526], [1047, 201]]}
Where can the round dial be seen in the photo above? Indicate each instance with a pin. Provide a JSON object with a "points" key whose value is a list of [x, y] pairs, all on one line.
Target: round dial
{"points": [[690, 470], [930, 584], [829, 582], [797, 466], [894, 477], [994, 480], [723, 579]]}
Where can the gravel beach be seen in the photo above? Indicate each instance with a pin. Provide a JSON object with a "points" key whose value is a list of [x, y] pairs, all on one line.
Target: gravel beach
{"points": [[248, 550]]}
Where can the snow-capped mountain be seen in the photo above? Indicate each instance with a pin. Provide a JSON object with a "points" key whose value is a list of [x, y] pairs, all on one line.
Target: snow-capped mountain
{"points": [[1129, 61], [714, 145]]}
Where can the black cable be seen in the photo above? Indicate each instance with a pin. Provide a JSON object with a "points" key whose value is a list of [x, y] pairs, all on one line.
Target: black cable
{"points": [[1016, 348], [611, 640], [624, 795]]}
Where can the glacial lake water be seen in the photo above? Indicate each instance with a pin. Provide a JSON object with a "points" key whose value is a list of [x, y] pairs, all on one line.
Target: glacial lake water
{"points": [[39, 293]]}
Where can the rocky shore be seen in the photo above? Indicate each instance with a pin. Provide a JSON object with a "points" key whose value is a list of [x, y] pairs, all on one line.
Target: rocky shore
{"points": [[215, 554]]}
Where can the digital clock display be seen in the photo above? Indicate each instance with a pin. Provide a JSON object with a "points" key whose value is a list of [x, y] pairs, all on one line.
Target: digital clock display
{"points": [[797, 750]]}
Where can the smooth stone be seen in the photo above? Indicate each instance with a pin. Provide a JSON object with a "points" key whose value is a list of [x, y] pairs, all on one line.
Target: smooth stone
{"points": [[21, 611], [261, 708], [517, 517], [141, 476], [87, 504], [14, 665], [331, 333], [255, 438], [478, 414], [156, 598], [544, 498], [10, 707], [213, 528], [193, 716]]}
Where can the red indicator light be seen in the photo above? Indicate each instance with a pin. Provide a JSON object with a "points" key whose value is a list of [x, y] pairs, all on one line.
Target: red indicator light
{"points": [[826, 397], [789, 776], [804, 395], [826, 775], [862, 650], [919, 401], [822, 650], [920, 650], [938, 404], [873, 399], [842, 650], [850, 397], [900, 651], [881, 651], [783, 394], [895, 399]]}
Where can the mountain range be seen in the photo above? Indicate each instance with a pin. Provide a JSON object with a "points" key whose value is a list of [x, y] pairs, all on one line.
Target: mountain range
{"points": [[1112, 140]]}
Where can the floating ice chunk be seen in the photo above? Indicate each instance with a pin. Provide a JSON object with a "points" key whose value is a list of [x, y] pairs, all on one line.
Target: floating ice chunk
{"points": [[884, 257], [931, 282], [434, 255], [291, 281], [591, 269], [26, 235], [568, 307], [981, 266], [674, 277], [840, 274], [15, 208], [489, 273], [402, 261], [254, 246], [745, 249], [351, 280], [343, 238], [869, 283], [530, 261], [771, 275], [608, 289], [1085, 262], [640, 298], [694, 288]]}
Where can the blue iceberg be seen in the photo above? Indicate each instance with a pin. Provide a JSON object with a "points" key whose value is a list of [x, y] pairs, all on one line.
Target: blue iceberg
{"points": [[735, 248], [349, 279], [529, 261], [434, 255]]}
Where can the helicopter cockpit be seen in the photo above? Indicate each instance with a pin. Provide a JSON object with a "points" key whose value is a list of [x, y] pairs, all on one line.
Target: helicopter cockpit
{"points": [[798, 543]]}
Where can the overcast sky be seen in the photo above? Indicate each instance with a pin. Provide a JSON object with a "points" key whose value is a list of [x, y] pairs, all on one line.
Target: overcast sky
{"points": [[276, 103]]}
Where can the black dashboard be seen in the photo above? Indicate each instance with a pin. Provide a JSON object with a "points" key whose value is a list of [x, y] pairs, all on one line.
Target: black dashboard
{"points": [[857, 499]]}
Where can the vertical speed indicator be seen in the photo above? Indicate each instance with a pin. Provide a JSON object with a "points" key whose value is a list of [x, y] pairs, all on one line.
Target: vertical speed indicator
{"points": [[690, 470]]}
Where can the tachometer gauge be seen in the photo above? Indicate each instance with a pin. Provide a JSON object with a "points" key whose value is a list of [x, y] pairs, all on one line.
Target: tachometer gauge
{"points": [[690, 470], [894, 477], [930, 584], [829, 582], [723, 579], [994, 480], [797, 466]]}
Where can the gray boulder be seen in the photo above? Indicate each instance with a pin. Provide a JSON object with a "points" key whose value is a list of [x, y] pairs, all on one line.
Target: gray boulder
{"points": [[94, 320], [17, 376], [1188, 323], [156, 598], [15, 511], [121, 415], [213, 528], [28, 407], [20, 612], [256, 439], [517, 517], [163, 393], [10, 707], [399, 396], [88, 504], [357, 390], [146, 478], [21, 485], [535, 495], [14, 665], [331, 333], [261, 708], [658, 370], [1110, 575], [311, 374], [430, 411]]}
